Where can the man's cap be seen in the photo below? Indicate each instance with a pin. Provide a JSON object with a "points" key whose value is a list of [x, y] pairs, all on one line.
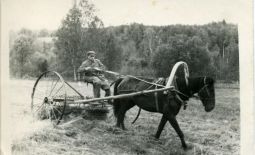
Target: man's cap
{"points": [[90, 53]]}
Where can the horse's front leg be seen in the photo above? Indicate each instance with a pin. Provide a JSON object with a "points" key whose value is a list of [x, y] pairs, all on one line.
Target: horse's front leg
{"points": [[176, 127], [161, 126], [121, 113]]}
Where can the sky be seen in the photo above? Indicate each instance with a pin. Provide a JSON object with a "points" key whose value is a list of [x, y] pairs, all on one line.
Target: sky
{"points": [[39, 14]]}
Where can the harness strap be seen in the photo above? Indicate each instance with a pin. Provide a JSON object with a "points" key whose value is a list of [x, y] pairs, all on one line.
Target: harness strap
{"points": [[156, 99], [184, 103], [158, 83], [178, 97], [206, 86]]}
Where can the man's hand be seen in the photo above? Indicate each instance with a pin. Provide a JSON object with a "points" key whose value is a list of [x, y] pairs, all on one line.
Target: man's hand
{"points": [[88, 68], [93, 69], [97, 69]]}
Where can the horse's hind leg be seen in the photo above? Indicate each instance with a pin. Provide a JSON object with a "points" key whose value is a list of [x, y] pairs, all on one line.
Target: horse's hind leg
{"points": [[121, 114], [161, 126], [176, 127]]}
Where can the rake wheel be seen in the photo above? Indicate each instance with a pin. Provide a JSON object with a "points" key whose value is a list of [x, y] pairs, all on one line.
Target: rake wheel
{"points": [[49, 97]]}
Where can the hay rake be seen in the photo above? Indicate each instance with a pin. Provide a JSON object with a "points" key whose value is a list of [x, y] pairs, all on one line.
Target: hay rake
{"points": [[51, 95]]}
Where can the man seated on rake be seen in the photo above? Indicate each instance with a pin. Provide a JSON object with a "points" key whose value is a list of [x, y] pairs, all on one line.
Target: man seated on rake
{"points": [[92, 70]]}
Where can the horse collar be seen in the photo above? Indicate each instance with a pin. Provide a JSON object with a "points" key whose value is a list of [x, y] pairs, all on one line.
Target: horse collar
{"points": [[181, 93]]}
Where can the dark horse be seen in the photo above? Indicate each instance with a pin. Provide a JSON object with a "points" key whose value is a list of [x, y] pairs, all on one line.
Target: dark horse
{"points": [[169, 104]]}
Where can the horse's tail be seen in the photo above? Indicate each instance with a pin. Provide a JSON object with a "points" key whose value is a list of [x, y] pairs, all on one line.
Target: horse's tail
{"points": [[138, 114], [115, 103]]}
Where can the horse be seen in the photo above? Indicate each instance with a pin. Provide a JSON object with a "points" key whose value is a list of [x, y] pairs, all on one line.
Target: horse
{"points": [[167, 103]]}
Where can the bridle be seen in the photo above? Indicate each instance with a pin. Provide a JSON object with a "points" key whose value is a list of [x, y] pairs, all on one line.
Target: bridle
{"points": [[198, 96], [206, 90]]}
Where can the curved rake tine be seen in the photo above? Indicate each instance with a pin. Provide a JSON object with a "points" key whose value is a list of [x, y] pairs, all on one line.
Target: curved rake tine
{"points": [[52, 109], [49, 114], [57, 110]]}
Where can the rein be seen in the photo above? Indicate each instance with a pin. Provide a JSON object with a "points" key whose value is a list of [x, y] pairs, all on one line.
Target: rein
{"points": [[152, 83], [185, 95]]}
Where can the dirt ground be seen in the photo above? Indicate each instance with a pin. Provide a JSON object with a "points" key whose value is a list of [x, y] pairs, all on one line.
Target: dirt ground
{"points": [[217, 132]]}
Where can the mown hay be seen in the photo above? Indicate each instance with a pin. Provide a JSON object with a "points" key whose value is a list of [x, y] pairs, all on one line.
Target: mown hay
{"points": [[98, 112], [47, 112]]}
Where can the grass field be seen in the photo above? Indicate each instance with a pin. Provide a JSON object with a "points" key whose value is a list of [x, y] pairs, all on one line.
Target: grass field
{"points": [[217, 132]]}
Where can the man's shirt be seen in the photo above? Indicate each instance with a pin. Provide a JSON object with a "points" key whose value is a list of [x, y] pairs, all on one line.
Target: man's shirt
{"points": [[94, 65]]}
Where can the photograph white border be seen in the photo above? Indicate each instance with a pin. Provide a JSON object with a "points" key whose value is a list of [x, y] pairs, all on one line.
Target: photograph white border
{"points": [[246, 50]]}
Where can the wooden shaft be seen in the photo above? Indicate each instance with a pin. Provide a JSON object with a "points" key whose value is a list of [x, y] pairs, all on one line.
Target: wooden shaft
{"points": [[123, 95]]}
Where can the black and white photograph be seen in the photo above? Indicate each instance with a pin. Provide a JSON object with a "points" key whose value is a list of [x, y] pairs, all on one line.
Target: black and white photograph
{"points": [[131, 77]]}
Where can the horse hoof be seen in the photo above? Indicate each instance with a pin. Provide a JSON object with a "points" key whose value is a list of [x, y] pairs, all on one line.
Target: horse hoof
{"points": [[118, 126], [156, 137], [186, 148]]}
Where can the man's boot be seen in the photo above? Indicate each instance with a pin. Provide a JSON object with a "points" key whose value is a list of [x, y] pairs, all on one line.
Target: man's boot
{"points": [[96, 90], [107, 92]]}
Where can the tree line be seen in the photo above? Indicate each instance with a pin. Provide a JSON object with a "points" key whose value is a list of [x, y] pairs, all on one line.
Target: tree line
{"points": [[136, 49]]}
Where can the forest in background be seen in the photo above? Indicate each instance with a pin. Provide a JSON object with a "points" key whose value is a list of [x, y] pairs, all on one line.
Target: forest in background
{"points": [[134, 49]]}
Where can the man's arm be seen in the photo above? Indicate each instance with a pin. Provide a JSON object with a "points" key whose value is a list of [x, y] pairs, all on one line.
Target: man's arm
{"points": [[84, 66], [101, 65]]}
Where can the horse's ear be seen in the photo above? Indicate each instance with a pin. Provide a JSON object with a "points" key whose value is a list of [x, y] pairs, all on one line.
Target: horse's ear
{"points": [[210, 81]]}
